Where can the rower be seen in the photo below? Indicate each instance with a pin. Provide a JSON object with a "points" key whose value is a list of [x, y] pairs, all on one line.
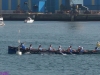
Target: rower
{"points": [[60, 49], [82, 50], [30, 48], [23, 46], [70, 49], [98, 44], [96, 48], [50, 48], [40, 48], [79, 48]]}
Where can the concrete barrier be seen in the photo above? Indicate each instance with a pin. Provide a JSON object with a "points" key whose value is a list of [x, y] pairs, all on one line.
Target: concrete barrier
{"points": [[52, 17]]}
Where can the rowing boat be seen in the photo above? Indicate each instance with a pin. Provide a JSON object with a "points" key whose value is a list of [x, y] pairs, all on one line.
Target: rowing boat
{"points": [[13, 50]]}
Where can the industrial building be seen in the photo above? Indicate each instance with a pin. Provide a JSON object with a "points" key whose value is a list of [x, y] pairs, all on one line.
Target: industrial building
{"points": [[33, 5], [92, 4], [43, 6]]}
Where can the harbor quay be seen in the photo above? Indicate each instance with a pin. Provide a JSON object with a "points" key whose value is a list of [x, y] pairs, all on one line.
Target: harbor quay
{"points": [[52, 17]]}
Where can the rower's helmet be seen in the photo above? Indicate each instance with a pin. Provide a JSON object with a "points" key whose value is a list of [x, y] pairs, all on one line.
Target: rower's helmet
{"points": [[70, 46], [50, 45], [79, 46], [39, 45]]}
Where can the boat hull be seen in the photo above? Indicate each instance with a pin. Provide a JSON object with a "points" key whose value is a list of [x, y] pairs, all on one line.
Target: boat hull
{"points": [[13, 50], [29, 21], [1, 18]]}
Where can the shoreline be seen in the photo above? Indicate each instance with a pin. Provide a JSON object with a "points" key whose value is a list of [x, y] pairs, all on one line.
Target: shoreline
{"points": [[52, 17]]}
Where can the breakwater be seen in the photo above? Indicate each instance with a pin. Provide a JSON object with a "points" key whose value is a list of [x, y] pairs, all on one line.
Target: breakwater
{"points": [[52, 17]]}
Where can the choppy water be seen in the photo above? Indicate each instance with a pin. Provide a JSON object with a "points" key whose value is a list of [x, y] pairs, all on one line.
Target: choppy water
{"points": [[57, 33]]}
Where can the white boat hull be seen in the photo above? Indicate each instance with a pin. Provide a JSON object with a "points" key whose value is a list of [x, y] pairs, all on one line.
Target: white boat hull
{"points": [[1, 18], [29, 21]]}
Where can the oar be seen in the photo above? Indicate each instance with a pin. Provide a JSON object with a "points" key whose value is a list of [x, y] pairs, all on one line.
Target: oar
{"points": [[19, 52], [18, 41], [63, 53], [72, 53]]}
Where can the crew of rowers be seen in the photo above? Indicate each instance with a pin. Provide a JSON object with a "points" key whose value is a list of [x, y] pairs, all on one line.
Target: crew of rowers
{"points": [[69, 49]]}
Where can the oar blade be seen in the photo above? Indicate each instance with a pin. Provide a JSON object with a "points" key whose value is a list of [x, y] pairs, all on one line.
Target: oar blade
{"points": [[18, 41]]}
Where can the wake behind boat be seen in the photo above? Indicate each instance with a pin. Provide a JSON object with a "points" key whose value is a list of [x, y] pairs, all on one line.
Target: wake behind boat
{"points": [[29, 20], [1, 21]]}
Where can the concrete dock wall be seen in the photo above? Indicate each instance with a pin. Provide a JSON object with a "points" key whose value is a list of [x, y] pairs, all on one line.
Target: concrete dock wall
{"points": [[87, 18], [51, 17]]}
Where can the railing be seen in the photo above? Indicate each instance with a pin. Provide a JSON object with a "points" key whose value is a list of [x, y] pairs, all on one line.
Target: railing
{"points": [[86, 7], [91, 12]]}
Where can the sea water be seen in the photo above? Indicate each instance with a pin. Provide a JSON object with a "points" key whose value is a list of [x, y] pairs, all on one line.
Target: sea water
{"points": [[85, 34]]}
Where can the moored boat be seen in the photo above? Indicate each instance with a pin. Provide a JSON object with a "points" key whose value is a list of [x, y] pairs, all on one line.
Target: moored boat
{"points": [[1, 21], [29, 20], [13, 50]]}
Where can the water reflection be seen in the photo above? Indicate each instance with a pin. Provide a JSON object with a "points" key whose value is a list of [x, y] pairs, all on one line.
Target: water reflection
{"points": [[75, 25]]}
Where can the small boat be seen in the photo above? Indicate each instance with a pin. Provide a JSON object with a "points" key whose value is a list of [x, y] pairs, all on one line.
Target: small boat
{"points": [[1, 21], [29, 20], [14, 50]]}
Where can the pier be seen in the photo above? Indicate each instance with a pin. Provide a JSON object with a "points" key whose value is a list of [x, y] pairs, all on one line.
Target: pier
{"points": [[52, 17]]}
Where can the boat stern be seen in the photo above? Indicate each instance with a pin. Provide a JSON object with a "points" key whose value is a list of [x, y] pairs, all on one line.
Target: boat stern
{"points": [[12, 50]]}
